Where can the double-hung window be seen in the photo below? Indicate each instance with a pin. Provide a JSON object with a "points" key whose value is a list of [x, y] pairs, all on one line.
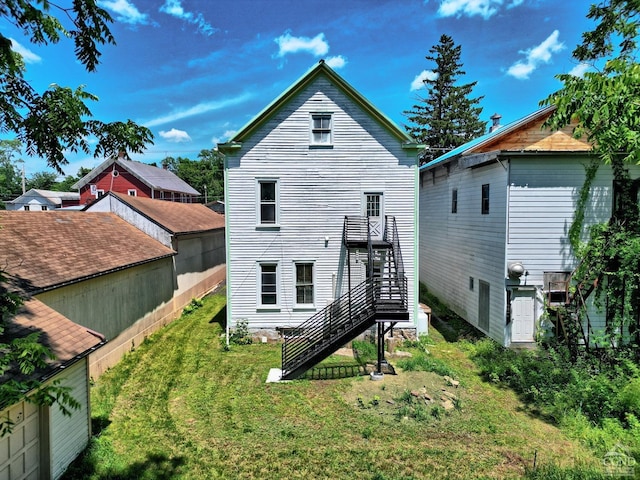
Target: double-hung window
{"points": [[321, 129], [268, 202], [268, 291], [304, 283]]}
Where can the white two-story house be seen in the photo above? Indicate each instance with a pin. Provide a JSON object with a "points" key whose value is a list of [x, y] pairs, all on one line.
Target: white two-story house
{"points": [[318, 162]]}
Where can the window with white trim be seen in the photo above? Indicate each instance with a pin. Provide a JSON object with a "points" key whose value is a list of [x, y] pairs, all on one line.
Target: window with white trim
{"points": [[304, 283], [268, 193], [44, 207], [321, 129], [268, 285], [132, 192]]}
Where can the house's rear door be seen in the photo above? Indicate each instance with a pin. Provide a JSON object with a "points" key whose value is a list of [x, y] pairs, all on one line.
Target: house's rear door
{"points": [[373, 206], [523, 315]]}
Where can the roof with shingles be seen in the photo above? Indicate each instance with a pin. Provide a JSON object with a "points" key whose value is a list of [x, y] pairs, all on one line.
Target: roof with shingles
{"points": [[51, 195], [45, 250], [476, 143], [175, 217], [67, 340], [154, 177]]}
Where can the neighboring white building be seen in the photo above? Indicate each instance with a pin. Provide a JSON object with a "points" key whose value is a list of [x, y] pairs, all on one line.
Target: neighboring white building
{"points": [[38, 200], [318, 153], [494, 220]]}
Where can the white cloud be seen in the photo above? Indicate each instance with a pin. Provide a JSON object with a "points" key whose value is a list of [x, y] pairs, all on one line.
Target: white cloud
{"points": [[175, 136], [199, 109], [126, 12], [27, 55], [224, 137], [418, 82], [536, 56], [579, 70], [336, 62], [316, 46], [484, 8], [175, 9]]}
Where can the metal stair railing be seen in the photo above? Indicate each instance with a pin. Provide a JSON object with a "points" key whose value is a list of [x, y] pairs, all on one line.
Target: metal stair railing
{"points": [[327, 328]]}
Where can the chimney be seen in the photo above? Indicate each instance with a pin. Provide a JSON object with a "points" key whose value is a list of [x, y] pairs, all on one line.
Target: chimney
{"points": [[495, 118]]}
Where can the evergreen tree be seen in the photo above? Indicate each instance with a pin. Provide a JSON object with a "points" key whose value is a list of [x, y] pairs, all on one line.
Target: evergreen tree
{"points": [[447, 117]]}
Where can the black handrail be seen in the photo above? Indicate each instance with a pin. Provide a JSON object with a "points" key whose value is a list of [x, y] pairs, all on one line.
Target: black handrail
{"points": [[323, 326]]}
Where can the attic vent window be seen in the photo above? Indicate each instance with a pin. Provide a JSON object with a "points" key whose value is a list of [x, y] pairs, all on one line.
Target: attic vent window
{"points": [[115, 173], [321, 129]]}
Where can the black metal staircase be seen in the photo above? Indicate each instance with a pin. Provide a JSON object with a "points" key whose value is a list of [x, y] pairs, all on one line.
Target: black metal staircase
{"points": [[382, 297]]}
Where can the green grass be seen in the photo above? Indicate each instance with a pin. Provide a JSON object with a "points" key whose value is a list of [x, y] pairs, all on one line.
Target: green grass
{"points": [[181, 406]]}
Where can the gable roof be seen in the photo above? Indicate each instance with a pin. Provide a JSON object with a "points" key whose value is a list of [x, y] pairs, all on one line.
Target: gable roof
{"points": [[68, 341], [45, 250], [321, 68], [490, 137], [175, 217], [52, 196], [156, 178]]}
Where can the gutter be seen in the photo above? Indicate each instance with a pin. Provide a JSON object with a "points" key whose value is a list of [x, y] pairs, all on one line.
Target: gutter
{"points": [[96, 275]]}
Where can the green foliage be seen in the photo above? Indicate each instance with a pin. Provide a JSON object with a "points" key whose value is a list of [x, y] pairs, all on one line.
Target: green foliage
{"points": [[205, 174], [58, 120], [192, 306], [365, 351], [604, 103], [603, 393], [421, 361], [241, 335], [446, 117]]}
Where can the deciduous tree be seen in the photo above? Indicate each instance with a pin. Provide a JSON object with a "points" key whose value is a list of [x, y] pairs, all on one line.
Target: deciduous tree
{"points": [[606, 104], [48, 124]]}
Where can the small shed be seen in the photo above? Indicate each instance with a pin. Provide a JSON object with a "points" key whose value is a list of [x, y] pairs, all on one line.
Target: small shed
{"points": [[44, 441]]}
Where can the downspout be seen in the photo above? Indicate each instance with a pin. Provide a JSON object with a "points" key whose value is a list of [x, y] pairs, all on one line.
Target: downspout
{"points": [[416, 245], [226, 246]]}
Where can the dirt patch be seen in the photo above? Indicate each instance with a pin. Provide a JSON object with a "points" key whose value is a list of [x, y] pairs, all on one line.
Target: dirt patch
{"points": [[390, 393]]}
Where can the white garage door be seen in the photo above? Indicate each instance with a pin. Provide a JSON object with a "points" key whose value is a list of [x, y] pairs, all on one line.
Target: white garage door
{"points": [[20, 451]]}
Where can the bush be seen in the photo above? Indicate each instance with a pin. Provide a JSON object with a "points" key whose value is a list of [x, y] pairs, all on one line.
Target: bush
{"points": [[240, 335]]}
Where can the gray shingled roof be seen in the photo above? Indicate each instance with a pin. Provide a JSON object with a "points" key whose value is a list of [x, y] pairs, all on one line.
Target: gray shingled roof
{"points": [[154, 177]]}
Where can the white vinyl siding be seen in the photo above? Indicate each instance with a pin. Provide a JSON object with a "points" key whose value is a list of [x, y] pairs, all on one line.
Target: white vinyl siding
{"points": [[70, 434], [456, 248], [317, 188]]}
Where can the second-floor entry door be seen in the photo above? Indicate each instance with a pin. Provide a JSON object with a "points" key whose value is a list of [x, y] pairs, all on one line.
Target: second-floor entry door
{"points": [[374, 211]]}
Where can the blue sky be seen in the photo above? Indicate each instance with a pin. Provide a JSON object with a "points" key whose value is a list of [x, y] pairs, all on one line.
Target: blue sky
{"points": [[196, 71]]}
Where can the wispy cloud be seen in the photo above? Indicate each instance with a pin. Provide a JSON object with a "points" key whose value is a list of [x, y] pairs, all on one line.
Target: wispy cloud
{"points": [[316, 46], [199, 109], [579, 70], [418, 82], [175, 136], [336, 62], [536, 56], [484, 8], [125, 11], [27, 55], [175, 9], [224, 137]]}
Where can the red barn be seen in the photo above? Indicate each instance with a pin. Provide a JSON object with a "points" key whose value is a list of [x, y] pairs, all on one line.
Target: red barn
{"points": [[121, 175]]}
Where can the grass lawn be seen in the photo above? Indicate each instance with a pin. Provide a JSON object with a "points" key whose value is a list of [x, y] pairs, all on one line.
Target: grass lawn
{"points": [[181, 406]]}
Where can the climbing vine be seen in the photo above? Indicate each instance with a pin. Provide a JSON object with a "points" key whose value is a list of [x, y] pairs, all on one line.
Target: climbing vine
{"points": [[577, 226]]}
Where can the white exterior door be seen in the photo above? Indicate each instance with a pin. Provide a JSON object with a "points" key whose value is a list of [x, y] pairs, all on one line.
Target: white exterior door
{"points": [[374, 210], [523, 315], [20, 450]]}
